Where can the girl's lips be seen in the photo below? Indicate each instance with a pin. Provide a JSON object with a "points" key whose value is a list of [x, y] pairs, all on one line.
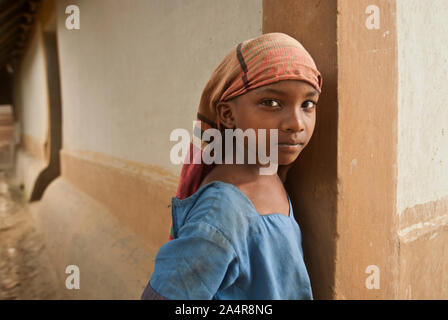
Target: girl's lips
{"points": [[290, 143], [290, 147]]}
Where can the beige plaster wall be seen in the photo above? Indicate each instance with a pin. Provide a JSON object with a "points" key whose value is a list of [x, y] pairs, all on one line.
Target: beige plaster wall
{"points": [[422, 162], [130, 75], [422, 148]]}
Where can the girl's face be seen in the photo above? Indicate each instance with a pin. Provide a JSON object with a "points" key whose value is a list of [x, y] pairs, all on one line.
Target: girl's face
{"points": [[288, 105]]}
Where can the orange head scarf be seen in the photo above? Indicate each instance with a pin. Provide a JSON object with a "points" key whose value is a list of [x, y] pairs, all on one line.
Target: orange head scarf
{"points": [[251, 64]]}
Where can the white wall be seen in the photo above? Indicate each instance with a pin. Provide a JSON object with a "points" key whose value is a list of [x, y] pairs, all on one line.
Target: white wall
{"points": [[422, 102], [30, 89], [131, 74]]}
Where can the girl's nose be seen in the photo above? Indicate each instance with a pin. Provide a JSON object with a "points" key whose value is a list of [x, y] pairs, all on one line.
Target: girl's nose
{"points": [[293, 121]]}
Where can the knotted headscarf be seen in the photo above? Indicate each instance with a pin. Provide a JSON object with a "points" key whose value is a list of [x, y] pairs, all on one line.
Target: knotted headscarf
{"points": [[253, 63]]}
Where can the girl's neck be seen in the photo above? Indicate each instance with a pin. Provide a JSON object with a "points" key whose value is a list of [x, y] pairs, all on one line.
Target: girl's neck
{"points": [[239, 174]]}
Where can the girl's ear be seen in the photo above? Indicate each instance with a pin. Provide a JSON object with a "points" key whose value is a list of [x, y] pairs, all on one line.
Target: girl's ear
{"points": [[226, 114]]}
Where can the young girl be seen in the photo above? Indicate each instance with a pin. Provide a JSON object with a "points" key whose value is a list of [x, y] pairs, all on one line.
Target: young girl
{"points": [[234, 235]]}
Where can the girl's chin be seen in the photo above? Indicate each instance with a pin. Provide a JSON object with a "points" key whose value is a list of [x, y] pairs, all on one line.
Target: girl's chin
{"points": [[284, 161]]}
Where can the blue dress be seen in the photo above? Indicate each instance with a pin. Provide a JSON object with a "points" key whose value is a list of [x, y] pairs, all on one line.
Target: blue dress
{"points": [[224, 249]]}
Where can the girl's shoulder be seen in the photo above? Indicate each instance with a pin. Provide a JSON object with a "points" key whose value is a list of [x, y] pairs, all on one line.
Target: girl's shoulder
{"points": [[219, 204]]}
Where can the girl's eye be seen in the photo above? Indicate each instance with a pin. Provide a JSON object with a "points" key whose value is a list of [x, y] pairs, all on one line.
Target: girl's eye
{"points": [[308, 105], [270, 103]]}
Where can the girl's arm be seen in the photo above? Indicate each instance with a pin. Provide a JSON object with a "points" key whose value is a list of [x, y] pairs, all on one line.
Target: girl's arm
{"points": [[193, 266], [150, 294]]}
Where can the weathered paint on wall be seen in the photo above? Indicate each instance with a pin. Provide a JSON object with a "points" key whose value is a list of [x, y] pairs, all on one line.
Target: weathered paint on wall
{"points": [[423, 251], [422, 102], [422, 160], [367, 126]]}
